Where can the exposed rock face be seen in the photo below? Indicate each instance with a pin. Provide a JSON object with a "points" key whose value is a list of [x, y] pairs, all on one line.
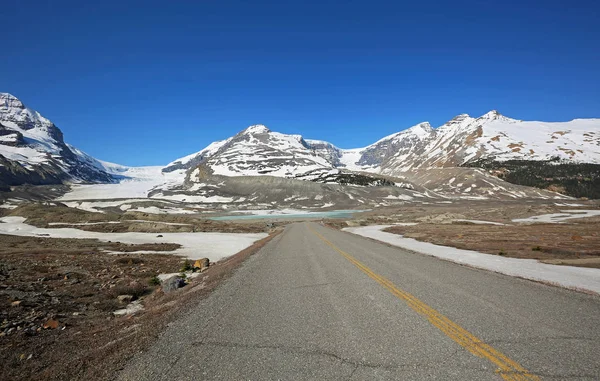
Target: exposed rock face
{"points": [[10, 137], [400, 145], [33, 151], [327, 151]]}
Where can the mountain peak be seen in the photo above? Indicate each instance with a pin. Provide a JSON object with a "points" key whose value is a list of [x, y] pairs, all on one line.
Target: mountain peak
{"points": [[424, 126], [12, 110], [494, 114], [256, 129], [460, 117], [10, 101], [421, 129]]}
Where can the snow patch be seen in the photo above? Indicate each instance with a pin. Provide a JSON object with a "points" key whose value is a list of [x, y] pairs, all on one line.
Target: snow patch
{"points": [[213, 246], [566, 276], [556, 218]]}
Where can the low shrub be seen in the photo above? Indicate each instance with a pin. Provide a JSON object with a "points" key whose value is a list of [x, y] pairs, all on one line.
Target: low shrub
{"points": [[154, 281]]}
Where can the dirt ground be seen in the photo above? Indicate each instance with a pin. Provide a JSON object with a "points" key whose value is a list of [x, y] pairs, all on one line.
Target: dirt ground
{"points": [[568, 244], [57, 298]]}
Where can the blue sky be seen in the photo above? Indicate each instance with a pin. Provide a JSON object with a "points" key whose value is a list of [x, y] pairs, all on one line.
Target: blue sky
{"points": [[145, 82]]}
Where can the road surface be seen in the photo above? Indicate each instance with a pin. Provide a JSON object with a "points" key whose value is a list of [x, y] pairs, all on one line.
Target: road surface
{"points": [[320, 304]]}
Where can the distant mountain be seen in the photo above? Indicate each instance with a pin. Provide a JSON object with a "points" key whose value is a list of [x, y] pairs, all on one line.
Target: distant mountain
{"points": [[495, 137], [32, 150], [462, 140], [258, 151]]}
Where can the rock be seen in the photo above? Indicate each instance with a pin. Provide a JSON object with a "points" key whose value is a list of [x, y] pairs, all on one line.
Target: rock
{"points": [[125, 298], [172, 283], [131, 308], [202, 263], [51, 324]]}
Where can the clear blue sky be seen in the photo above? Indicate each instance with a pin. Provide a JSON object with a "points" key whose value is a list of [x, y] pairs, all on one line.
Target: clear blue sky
{"points": [[143, 83]]}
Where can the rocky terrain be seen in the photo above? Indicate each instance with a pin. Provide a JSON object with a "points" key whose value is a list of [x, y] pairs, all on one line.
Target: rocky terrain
{"points": [[69, 310]]}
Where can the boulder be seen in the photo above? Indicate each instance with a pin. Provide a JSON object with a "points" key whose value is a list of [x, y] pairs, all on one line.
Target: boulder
{"points": [[172, 283], [202, 263], [51, 324], [125, 298]]}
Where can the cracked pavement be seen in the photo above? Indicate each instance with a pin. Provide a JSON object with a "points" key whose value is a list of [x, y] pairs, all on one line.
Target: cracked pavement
{"points": [[299, 310]]}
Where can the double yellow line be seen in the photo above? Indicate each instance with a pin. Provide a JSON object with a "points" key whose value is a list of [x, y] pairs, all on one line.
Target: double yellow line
{"points": [[507, 368]]}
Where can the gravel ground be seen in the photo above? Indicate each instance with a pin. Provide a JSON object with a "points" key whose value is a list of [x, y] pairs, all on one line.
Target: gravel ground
{"points": [[57, 298]]}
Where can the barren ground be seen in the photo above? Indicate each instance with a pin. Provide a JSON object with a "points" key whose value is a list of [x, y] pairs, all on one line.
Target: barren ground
{"points": [[57, 298], [575, 242]]}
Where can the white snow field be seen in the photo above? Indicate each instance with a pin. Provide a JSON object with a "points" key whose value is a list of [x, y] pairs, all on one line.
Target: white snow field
{"points": [[213, 246], [137, 182], [557, 218], [579, 278], [480, 222]]}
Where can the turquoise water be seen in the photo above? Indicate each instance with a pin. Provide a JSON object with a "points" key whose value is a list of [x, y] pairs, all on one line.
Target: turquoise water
{"points": [[330, 214]]}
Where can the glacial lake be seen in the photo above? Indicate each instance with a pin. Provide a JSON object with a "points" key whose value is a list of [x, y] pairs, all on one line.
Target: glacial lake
{"points": [[329, 214]]}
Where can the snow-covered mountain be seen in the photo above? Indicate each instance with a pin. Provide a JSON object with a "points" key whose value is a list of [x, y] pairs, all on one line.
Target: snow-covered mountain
{"points": [[465, 139], [405, 143], [33, 151], [258, 151]]}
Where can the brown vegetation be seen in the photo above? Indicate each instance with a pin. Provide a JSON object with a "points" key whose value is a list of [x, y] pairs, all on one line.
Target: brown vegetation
{"points": [[576, 245], [57, 298]]}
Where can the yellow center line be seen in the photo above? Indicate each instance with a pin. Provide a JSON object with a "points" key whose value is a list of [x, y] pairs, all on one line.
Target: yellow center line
{"points": [[507, 368]]}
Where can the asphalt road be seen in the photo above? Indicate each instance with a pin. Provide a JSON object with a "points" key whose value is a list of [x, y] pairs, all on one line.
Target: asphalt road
{"points": [[320, 304]]}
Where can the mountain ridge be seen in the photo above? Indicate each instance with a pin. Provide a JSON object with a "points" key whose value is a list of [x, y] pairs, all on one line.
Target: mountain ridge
{"points": [[32, 149], [461, 140]]}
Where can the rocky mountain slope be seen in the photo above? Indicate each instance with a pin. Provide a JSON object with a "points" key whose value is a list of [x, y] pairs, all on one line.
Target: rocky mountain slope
{"points": [[462, 140], [495, 137], [33, 151], [258, 151]]}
